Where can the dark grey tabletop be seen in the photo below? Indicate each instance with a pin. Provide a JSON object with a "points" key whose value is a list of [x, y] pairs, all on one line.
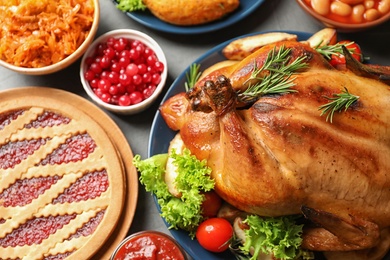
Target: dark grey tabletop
{"points": [[181, 51]]}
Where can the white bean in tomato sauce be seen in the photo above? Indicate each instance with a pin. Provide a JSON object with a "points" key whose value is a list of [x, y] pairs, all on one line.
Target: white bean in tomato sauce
{"points": [[371, 14], [384, 6], [340, 8], [358, 13], [321, 6], [368, 4], [350, 11]]}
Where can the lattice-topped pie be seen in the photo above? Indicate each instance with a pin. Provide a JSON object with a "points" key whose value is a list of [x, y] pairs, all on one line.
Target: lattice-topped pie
{"points": [[61, 180]]}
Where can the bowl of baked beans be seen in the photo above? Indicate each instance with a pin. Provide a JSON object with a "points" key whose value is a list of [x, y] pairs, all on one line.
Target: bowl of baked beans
{"points": [[348, 15]]}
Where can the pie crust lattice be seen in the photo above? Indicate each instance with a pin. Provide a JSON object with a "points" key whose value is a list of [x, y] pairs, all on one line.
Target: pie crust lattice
{"points": [[84, 201]]}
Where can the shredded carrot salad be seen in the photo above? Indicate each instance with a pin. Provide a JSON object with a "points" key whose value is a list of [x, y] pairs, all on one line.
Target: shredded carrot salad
{"points": [[38, 33]]}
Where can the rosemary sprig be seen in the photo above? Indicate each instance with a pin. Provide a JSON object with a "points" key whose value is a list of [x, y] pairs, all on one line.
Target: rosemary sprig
{"points": [[278, 79], [192, 76], [337, 103], [328, 50]]}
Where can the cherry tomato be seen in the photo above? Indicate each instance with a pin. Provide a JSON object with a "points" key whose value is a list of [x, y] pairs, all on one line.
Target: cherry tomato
{"points": [[214, 234], [211, 204], [355, 49]]}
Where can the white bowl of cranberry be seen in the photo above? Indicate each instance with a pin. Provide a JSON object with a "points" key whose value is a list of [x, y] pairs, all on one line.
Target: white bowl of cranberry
{"points": [[124, 71]]}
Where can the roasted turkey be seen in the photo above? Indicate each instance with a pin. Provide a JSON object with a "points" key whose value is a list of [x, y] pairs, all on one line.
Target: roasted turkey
{"points": [[279, 156]]}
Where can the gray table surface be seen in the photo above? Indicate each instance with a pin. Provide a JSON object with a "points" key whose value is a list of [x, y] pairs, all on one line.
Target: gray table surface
{"points": [[181, 51]]}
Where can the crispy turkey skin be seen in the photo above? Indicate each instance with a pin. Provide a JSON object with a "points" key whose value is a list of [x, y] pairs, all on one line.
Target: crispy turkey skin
{"points": [[279, 156]]}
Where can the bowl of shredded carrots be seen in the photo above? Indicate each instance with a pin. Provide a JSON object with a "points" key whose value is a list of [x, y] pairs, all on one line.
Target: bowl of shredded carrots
{"points": [[43, 37]]}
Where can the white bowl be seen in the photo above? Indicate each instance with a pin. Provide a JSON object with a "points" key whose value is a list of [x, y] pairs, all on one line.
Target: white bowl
{"points": [[66, 61], [133, 35]]}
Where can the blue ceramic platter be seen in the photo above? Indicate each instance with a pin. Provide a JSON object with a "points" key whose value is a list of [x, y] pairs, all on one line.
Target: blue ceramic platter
{"points": [[149, 20], [161, 135]]}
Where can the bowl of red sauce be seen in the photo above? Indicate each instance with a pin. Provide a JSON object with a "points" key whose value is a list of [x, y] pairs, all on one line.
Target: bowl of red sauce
{"points": [[348, 15], [149, 245]]}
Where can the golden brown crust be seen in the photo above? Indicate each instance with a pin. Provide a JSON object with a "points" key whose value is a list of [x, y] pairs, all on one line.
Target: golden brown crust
{"points": [[105, 156], [192, 12]]}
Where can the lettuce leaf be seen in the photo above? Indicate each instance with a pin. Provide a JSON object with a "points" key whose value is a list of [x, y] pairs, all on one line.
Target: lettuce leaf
{"points": [[193, 179], [279, 236], [152, 174], [130, 5]]}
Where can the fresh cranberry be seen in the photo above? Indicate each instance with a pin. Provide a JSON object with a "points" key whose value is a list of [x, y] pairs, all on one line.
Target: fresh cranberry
{"points": [[147, 77], [113, 90], [124, 100], [94, 83], [124, 61], [110, 52], [134, 54], [89, 75], [131, 69], [159, 66], [105, 62], [113, 77], [115, 67], [104, 85], [96, 68], [142, 68], [137, 79], [124, 79], [135, 97], [106, 97], [156, 78], [121, 89], [148, 91], [151, 60]]}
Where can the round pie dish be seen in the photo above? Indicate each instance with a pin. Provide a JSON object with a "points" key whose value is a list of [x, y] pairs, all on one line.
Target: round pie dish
{"points": [[343, 23], [149, 245], [77, 184], [30, 60], [139, 86]]}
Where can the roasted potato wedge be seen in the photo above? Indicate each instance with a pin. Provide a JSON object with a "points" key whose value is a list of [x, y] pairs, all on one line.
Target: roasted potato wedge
{"points": [[326, 36], [171, 169], [243, 47], [216, 66]]}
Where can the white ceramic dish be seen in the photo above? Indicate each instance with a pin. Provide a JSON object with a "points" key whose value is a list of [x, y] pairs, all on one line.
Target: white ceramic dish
{"points": [[134, 35]]}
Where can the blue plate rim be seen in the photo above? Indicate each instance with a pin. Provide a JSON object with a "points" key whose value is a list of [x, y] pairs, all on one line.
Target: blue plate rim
{"points": [[147, 19]]}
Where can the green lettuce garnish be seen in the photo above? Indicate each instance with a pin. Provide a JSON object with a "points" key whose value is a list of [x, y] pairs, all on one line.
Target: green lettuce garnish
{"points": [[130, 5], [152, 174], [193, 179], [279, 236]]}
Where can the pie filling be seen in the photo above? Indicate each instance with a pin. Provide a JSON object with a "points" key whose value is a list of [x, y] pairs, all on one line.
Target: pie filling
{"points": [[53, 186]]}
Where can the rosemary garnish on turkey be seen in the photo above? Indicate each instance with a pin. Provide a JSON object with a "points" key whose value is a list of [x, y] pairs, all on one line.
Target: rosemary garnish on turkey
{"points": [[274, 77], [336, 49], [192, 76], [337, 103]]}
